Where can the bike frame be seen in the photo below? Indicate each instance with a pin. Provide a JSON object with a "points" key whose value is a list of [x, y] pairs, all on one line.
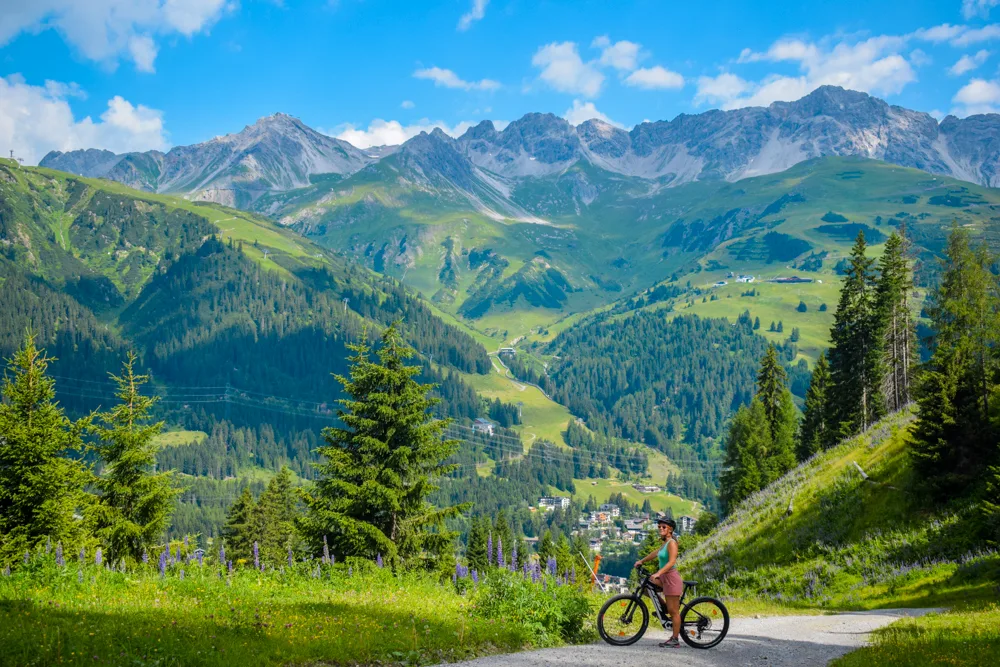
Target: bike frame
{"points": [[646, 586]]}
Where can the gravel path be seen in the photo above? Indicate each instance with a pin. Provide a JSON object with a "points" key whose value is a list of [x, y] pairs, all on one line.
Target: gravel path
{"points": [[776, 641]]}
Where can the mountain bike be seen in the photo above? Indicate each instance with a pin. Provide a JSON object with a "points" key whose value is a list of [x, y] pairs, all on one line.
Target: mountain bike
{"points": [[624, 618]]}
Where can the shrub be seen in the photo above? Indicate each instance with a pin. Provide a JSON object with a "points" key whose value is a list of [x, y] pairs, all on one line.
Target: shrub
{"points": [[552, 612]]}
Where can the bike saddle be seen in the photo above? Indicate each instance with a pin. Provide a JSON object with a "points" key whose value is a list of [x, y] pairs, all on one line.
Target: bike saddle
{"points": [[690, 583]]}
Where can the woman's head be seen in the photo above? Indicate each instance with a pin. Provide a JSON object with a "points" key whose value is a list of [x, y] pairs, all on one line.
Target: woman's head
{"points": [[666, 526]]}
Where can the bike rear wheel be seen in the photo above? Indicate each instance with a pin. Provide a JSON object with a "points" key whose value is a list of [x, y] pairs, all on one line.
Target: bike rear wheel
{"points": [[622, 620], [704, 622]]}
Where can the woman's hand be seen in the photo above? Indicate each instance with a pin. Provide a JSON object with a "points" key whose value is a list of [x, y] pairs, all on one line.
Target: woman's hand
{"points": [[638, 564]]}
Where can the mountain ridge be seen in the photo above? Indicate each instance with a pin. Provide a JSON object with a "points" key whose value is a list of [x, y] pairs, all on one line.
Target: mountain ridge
{"points": [[279, 153]]}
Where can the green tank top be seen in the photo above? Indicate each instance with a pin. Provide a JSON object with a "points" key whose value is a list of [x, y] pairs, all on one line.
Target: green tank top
{"points": [[664, 555]]}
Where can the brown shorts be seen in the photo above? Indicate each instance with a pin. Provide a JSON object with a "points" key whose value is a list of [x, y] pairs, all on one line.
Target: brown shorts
{"points": [[672, 583]]}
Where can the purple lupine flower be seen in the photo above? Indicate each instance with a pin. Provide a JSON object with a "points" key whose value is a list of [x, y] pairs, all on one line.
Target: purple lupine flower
{"points": [[59, 555], [177, 558], [552, 565], [83, 555], [222, 552], [513, 558], [454, 577], [291, 558], [256, 556], [475, 577], [534, 575], [333, 559], [163, 563], [458, 572], [572, 575], [500, 552], [26, 556], [182, 575], [185, 541], [326, 551], [378, 561], [145, 557], [489, 549], [98, 557], [48, 545], [200, 556], [229, 564]]}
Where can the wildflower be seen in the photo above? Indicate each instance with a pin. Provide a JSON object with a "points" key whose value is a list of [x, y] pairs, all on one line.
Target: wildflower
{"points": [[551, 565], [222, 552], [333, 559], [26, 556], [458, 572], [500, 552], [83, 556], [185, 541], [229, 564], [59, 555], [291, 559], [163, 563], [145, 557], [200, 555], [572, 575], [326, 551], [378, 561], [177, 558], [489, 549], [256, 556], [513, 558], [79, 576], [475, 577], [98, 557], [182, 575]]}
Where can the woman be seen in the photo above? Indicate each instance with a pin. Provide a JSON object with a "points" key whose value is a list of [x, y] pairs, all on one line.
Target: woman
{"points": [[667, 577]]}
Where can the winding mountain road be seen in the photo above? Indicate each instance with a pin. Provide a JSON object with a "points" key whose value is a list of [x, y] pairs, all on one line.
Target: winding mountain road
{"points": [[776, 641]]}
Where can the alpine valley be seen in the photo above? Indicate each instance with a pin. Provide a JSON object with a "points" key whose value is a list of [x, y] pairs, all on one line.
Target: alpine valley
{"points": [[609, 266]]}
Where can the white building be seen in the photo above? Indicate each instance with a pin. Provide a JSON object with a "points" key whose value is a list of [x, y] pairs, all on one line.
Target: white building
{"points": [[686, 524], [611, 509], [483, 426], [551, 503], [744, 279]]}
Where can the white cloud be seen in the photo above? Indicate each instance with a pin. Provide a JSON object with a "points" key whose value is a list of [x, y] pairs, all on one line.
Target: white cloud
{"points": [[106, 30], [981, 8], [392, 133], [654, 78], [476, 12], [622, 55], [143, 50], [977, 35], [940, 33], [584, 111], [407, 104], [564, 70], [722, 88], [977, 96], [968, 63], [872, 65], [448, 79], [37, 119], [920, 58]]}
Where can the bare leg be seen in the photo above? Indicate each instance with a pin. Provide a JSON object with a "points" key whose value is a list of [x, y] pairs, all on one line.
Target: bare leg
{"points": [[674, 609]]}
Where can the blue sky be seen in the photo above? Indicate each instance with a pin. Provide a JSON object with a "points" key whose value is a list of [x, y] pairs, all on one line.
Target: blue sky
{"points": [[141, 74]]}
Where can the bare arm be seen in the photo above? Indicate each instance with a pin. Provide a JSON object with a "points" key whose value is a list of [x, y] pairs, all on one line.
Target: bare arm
{"points": [[653, 555]]}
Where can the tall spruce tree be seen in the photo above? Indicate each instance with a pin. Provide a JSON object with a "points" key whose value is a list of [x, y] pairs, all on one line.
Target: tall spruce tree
{"points": [[779, 409], [747, 444], [954, 437], [855, 354], [475, 554], [895, 282], [276, 512], [41, 488], [379, 468], [814, 431], [242, 527], [134, 503]]}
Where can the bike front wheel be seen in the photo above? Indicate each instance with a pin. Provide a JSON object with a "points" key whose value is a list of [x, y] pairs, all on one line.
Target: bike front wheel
{"points": [[623, 620], [704, 622]]}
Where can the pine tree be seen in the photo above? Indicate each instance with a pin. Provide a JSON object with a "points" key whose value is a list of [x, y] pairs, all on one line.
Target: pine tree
{"points": [[242, 527], [779, 411], [954, 438], [475, 554], [134, 505], [546, 547], [855, 354], [747, 443], [40, 488], [276, 512], [814, 431], [756, 323], [893, 289], [378, 469], [563, 554]]}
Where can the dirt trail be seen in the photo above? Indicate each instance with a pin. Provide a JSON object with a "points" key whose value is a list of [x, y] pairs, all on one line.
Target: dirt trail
{"points": [[777, 641]]}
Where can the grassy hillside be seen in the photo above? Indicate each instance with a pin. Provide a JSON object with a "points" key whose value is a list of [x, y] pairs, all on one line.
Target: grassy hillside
{"points": [[825, 536]]}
